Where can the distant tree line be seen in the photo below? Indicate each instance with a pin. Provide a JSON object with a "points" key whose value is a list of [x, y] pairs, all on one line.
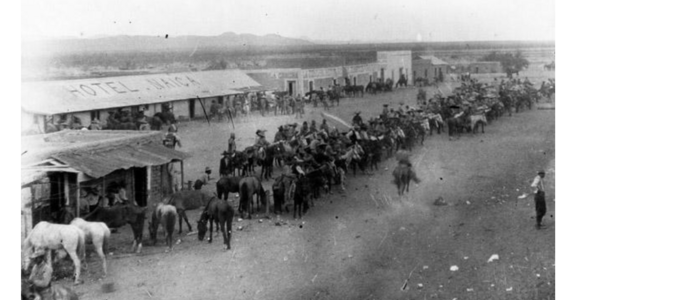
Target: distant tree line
{"points": [[512, 63]]}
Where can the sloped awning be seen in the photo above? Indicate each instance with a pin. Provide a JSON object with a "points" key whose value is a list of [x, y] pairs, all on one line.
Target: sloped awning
{"points": [[98, 163]]}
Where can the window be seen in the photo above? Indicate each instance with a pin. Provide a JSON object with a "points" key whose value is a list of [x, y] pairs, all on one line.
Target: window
{"points": [[95, 115]]}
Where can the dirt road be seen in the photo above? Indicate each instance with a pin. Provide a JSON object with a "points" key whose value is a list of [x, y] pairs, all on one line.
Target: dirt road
{"points": [[368, 243]]}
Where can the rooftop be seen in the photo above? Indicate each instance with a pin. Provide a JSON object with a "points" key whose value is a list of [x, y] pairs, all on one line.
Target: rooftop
{"points": [[56, 97]]}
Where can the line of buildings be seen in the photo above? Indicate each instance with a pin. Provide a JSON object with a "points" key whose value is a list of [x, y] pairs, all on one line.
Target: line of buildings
{"points": [[92, 99]]}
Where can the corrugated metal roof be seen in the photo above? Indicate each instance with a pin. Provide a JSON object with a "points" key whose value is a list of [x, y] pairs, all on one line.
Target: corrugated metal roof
{"points": [[100, 162], [55, 97], [434, 59]]}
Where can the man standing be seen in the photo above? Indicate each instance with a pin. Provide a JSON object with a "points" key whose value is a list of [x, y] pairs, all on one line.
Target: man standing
{"points": [[539, 186]]}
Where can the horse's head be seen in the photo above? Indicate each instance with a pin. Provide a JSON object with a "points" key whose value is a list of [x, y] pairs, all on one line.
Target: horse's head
{"points": [[202, 227]]}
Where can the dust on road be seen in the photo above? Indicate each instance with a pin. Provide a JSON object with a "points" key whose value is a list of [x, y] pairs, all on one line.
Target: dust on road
{"points": [[364, 244]]}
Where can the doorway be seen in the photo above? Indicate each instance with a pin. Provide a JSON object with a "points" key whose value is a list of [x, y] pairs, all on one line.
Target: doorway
{"points": [[354, 80], [290, 87], [191, 108], [140, 186], [311, 86]]}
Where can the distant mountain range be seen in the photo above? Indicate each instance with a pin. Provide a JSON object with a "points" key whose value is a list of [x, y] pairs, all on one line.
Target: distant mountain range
{"points": [[125, 43]]}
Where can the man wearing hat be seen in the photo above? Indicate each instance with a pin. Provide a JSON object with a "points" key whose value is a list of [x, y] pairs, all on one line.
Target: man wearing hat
{"points": [[280, 135], [226, 167], [357, 119], [203, 180], [89, 199], [385, 111], [539, 189], [260, 139], [41, 272]]}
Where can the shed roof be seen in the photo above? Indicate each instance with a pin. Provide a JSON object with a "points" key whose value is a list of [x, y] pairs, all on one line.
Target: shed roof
{"points": [[95, 153], [56, 97]]}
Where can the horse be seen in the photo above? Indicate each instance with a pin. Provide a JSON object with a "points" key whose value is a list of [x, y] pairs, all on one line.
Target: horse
{"points": [[248, 166], [402, 82], [402, 176], [313, 183], [226, 185], [435, 121], [221, 212], [96, 232], [248, 187], [455, 125], [55, 237], [119, 215], [477, 120], [271, 152], [283, 189], [185, 200], [300, 205], [239, 161], [166, 215]]}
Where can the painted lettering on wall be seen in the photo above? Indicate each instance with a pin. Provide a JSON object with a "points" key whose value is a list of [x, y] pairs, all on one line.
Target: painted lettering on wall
{"points": [[101, 89]]}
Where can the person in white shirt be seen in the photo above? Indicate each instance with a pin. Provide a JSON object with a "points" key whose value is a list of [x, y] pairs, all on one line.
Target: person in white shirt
{"points": [[539, 189]]}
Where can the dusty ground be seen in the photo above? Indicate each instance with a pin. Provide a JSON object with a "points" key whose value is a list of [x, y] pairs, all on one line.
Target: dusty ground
{"points": [[353, 246]]}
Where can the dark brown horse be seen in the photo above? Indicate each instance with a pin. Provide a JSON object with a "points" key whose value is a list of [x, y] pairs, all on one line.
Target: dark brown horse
{"points": [[119, 215], [186, 200], [272, 151], [248, 187], [226, 185], [219, 211], [402, 175]]}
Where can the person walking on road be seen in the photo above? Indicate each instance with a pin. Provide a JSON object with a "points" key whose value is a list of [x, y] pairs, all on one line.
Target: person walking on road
{"points": [[539, 189]]}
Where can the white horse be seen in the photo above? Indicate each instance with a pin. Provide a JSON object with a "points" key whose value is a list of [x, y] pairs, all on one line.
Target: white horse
{"points": [[98, 233], [55, 237]]}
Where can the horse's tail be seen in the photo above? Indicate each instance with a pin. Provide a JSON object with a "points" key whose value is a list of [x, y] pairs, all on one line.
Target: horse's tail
{"points": [[219, 189], [170, 222]]}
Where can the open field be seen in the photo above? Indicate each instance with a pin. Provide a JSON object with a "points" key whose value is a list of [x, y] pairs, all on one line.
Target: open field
{"points": [[366, 243], [76, 64]]}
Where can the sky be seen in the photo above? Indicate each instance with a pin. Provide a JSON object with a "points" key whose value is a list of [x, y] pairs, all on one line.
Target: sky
{"points": [[424, 20]]}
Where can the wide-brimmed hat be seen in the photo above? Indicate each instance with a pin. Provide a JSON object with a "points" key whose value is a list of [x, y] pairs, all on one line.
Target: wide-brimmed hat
{"points": [[208, 169], [357, 112], [260, 132], [541, 172], [454, 107], [386, 105], [226, 153]]}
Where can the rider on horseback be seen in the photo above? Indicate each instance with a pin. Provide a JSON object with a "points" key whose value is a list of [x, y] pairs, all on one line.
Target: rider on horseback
{"points": [[261, 142]]}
